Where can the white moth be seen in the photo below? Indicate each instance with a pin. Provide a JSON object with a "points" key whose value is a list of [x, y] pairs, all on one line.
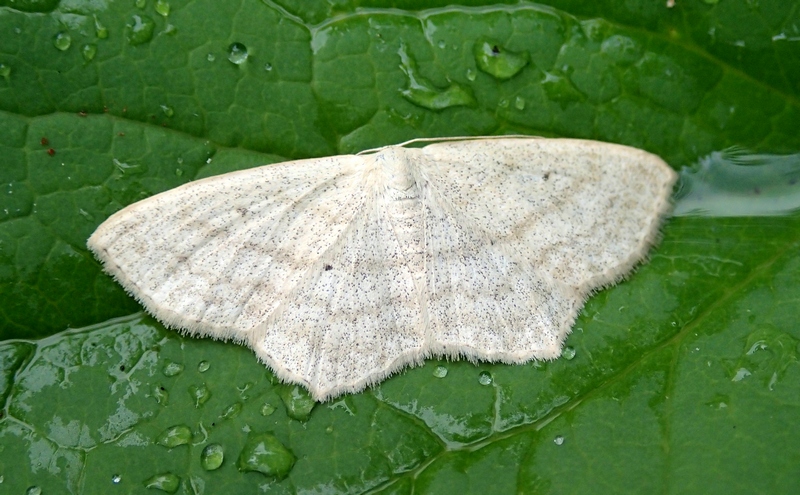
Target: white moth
{"points": [[340, 271]]}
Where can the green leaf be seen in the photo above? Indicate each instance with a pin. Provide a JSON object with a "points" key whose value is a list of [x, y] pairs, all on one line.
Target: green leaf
{"points": [[684, 378]]}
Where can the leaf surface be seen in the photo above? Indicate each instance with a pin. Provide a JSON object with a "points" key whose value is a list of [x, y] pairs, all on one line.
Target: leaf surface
{"points": [[685, 378]]}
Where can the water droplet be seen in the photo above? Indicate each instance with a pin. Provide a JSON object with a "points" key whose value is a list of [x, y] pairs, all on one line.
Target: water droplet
{"points": [[200, 394], [179, 172], [519, 103], [5, 71], [559, 88], [442, 45], [203, 366], [297, 401], [503, 103], [496, 61], [423, 93], [116, 479], [485, 378], [62, 41], [170, 29], [162, 7], [741, 374], [168, 111], [719, 401], [166, 482], [268, 67], [440, 371], [210, 57], [85, 214], [267, 409], [768, 353], [33, 490], [99, 29], [160, 394], [212, 456], [140, 4], [232, 411], [471, 75], [267, 455], [174, 436], [243, 390], [140, 30], [621, 49], [172, 369], [558, 440], [237, 53], [88, 51], [128, 168], [569, 353]]}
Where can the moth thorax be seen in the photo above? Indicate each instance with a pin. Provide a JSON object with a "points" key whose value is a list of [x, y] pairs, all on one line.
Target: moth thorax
{"points": [[395, 164]]}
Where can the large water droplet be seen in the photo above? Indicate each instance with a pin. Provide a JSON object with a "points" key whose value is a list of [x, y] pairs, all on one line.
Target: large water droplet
{"points": [[569, 353], [212, 456], [162, 7], [485, 378], [267, 409], [232, 411], [5, 71], [496, 61], [519, 103], [174, 436], [99, 29], [140, 29], [166, 482], [200, 394], [88, 51], [26, 6], [423, 93], [440, 371], [172, 369], [265, 454], [471, 74], [297, 401], [62, 41], [237, 53], [203, 366], [33, 490]]}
